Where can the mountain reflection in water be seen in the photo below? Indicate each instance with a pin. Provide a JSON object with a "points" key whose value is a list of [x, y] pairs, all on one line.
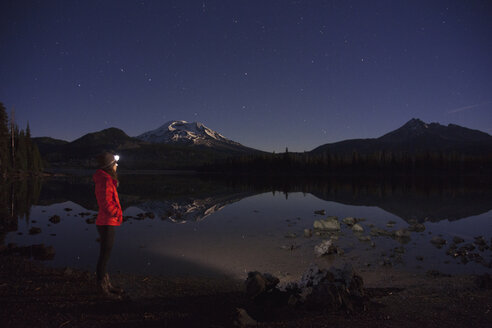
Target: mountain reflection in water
{"points": [[250, 223], [194, 197]]}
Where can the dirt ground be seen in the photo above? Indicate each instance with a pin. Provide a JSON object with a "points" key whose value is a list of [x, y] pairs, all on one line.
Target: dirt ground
{"points": [[33, 295]]}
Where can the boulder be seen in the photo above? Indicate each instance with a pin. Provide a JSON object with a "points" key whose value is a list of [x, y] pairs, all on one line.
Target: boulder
{"points": [[402, 233], [326, 247], [350, 221], [357, 228], [333, 289], [330, 224], [258, 283]]}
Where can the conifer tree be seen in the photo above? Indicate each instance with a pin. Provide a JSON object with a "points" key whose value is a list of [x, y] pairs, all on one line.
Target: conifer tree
{"points": [[4, 141]]}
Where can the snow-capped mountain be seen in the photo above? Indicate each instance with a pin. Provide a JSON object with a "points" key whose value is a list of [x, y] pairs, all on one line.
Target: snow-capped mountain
{"points": [[188, 133]]}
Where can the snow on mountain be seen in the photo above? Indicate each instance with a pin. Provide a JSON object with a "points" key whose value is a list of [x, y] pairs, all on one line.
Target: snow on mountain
{"points": [[184, 132]]}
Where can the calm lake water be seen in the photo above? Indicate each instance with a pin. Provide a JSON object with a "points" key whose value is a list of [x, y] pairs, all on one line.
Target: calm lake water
{"points": [[190, 225]]}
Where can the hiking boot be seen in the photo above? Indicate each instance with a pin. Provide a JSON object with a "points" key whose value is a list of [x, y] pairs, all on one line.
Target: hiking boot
{"points": [[104, 288], [113, 289]]}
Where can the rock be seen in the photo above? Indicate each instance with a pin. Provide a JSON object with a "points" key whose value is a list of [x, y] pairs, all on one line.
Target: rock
{"points": [[320, 212], [391, 224], [416, 227], [326, 247], [333, 289], [481, 243], [149, 215], [55, 219], [257, 283], [244, 319], [380, 232], [402, 233], [330, 224], [350, 221], [67, 209], [438, 241], [364, 238], [290, 247], [34, 230], [308, 233], [357, 228], [458, 240], [90, 220], [291, 235]]}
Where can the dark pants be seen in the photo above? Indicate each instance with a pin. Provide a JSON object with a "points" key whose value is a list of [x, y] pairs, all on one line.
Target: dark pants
{"points": [[106, 234]]}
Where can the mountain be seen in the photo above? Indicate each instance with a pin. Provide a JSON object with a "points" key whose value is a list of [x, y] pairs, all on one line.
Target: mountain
{"points": [[195, 133], [176, 145], [417, 136]]}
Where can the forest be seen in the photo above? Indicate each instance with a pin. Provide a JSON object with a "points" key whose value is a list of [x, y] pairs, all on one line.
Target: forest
{"points": [[19, 156]]}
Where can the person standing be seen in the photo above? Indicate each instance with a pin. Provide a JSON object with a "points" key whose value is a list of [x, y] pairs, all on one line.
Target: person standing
{"points": [[109, 217]]}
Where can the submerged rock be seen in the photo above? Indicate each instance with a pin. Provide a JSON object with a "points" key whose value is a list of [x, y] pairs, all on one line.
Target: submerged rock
{"points": [[416, 227], [458, 240], [481, 243], [402, 233], [320, 212], [308, 233], [438, 241], [380, 232], [331, 224], [364, 238], [350, 221], [34, 231], [391, 224]]}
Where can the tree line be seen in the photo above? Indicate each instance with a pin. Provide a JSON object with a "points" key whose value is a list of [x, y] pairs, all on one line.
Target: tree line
{"points": [[353, 163], [18, 154]]}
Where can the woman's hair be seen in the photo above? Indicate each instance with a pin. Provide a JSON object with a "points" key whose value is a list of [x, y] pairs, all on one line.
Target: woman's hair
{"points": [[112, 173]]}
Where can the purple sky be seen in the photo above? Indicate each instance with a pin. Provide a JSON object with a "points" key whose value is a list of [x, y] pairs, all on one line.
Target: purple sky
{"points": [[268, 74]]}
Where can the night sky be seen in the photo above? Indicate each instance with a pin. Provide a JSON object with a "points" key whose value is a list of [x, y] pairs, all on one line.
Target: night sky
{"points": [[269, 74]]}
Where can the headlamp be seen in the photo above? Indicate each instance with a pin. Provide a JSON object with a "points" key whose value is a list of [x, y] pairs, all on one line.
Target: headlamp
{"points": [[117, 157]]}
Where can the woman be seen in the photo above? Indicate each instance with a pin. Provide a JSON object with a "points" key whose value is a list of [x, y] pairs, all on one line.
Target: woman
{"points": [[109, 217]]}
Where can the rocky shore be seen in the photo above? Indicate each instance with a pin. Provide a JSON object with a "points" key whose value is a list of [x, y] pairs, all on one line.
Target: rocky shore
{"points": [[33, 295]]}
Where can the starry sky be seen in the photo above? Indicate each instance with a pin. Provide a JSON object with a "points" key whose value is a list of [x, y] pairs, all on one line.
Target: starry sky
{"points": [[269, 74]]}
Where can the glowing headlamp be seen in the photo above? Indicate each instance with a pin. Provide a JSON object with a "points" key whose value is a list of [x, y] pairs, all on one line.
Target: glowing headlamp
{"points": [[117, 157]]}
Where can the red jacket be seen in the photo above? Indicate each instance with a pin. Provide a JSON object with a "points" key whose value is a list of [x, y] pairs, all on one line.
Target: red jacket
{"points": [[110, 212]]}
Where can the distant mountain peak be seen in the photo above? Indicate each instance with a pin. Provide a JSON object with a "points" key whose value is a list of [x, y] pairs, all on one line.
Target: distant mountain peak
{"points": [[184, 132]]}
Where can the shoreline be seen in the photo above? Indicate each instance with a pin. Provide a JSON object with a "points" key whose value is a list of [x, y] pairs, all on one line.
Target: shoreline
{"points": [[32, 294]]}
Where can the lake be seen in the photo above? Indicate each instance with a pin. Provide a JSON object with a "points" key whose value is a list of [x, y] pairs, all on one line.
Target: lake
{"points": [[196, 225]]}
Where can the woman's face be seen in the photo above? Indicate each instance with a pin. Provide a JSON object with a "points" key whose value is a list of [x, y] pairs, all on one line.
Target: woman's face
{"points": [[115, 166]]}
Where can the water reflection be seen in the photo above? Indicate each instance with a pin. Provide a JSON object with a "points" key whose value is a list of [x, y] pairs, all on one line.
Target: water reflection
{"points": [[249, 223], [184, 198]]}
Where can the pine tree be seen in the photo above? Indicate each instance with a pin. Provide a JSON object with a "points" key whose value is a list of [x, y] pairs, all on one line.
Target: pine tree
{"points": [[4, 141]]}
